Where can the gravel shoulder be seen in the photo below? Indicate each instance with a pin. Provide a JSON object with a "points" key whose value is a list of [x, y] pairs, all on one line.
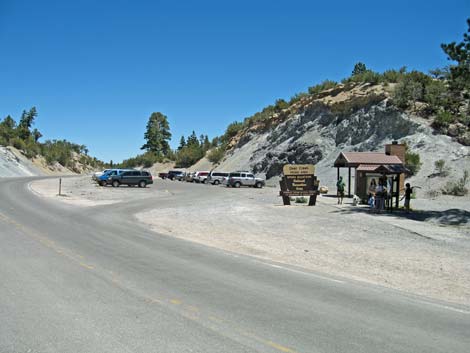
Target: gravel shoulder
{"points": [[425, 253]]}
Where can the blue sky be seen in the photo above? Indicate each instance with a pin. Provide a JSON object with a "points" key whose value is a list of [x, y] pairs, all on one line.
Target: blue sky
{"points": [[96, 70]]}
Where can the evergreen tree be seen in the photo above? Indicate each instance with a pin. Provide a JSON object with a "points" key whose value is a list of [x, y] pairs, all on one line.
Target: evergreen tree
{"points": [[36, 135], [182, 143], [7, 130], [206, 144], [26, 121], [359, 69], [192, 140], [157, 135], [460, 73]]}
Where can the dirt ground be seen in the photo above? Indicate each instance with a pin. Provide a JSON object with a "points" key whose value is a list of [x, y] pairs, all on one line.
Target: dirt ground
{"points": [[424, 253]]}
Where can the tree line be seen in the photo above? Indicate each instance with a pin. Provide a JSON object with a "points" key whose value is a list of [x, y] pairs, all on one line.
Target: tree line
{"points": [[25, 138], [157, 146]]}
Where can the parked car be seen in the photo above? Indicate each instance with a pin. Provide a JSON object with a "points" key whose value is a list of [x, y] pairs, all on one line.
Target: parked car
{"points": [[181, 177], [173, 174], [131, 177], [103, 179], [201, 176], [216, 178], [237, 179], [189, 177], [96, 175], [163, 175]]}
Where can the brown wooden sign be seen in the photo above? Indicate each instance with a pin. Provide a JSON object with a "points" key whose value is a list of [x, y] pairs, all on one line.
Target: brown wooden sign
{"points": [[299, 180], [298, 169]]}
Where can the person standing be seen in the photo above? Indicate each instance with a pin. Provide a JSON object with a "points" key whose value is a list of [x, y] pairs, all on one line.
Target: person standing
{"points": [[371, 196], [379, 196], [407, 197], [340, 185]]}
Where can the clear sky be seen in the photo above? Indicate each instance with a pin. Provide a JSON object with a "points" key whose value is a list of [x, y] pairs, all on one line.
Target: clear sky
{"points": [[97, 69]]}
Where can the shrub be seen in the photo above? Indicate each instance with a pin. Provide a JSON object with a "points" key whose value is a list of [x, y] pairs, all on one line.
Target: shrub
{"points": [[188, 156], [297, 97], [3, 141], [18, 143], [281, 104], [435, 94], [410, 88], [232, 130], [216, 155], [440, 167], [391, 76], [413, 162], [367, 76], [443, 119], [400, 95], [32, 148], [325, 85], [457, 188], [301, 199]]}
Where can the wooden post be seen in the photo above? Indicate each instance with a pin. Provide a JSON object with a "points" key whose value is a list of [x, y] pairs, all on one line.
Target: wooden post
{"points": [[337, 174], [313, 200], [60, 186], [283, 185], [349, 182], [286, 200], [397, 201]]}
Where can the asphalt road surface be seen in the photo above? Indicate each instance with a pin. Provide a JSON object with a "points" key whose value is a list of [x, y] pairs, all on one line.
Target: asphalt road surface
{"points": [[92, 280]]}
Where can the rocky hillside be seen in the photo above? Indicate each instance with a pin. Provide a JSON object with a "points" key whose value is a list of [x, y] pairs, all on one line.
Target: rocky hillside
{"points": [[315, 129], [13, 163]]}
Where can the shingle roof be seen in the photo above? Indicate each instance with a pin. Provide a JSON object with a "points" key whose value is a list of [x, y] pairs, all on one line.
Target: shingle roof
{"points": [[354, 159]]}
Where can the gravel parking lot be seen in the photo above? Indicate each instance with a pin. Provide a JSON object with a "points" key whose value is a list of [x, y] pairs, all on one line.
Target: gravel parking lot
{"points": [[425, 253]]}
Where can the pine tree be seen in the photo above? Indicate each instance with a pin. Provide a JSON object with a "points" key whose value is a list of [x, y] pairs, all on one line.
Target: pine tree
{"points": [[207, 144], [192, 140], [7, 130], [157, 135], [182, 143], [460, 73], [26, 121], [359, 68], [36, 135]]}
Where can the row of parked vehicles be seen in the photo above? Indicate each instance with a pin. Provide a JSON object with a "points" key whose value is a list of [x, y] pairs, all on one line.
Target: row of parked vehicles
{"points": [[118, 177], [234, 179]]}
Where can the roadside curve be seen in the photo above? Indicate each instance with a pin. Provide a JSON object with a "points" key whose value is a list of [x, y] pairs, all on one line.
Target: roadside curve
{"points": [[91, 279]]}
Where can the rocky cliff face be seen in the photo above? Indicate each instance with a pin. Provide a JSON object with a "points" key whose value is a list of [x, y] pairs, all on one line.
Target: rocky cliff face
{"points": [[316, 131]]}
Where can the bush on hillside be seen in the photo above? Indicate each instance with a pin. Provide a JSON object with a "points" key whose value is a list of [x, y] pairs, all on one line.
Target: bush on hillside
{"points": [[187, 156], [391, 76], [435, 94], [18, 143], [443, 119], [440, 166], [325, 85], [459, 187], [413, 161], [216, 155]]}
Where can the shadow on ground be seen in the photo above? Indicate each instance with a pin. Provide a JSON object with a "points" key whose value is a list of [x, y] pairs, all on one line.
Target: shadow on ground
{"points": [[453, 216]]}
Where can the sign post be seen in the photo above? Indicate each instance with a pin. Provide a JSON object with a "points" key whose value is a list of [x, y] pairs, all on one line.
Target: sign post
{"points": [[299, 180]]}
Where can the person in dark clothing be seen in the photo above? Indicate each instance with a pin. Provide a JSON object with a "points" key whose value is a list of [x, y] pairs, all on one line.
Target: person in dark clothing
{"points": [[407, 196], [340, 185]]}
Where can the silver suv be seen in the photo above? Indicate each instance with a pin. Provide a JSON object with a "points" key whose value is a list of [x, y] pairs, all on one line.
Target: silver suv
{"points": [[237, 179], [215, 178]]}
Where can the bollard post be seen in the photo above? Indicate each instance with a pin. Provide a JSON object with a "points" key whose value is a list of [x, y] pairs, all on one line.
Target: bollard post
{"points": [[60, 186]]}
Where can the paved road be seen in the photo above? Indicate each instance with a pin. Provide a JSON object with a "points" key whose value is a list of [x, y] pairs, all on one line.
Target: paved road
{"points": [[92, 280]]}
